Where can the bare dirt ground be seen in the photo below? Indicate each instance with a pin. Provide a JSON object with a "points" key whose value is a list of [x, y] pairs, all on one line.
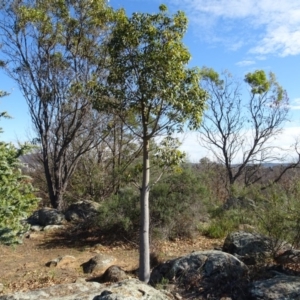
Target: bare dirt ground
{"points": [[23, 267]]}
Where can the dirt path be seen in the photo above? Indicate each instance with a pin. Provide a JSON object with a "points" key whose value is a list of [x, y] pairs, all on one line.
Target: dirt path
{"points": [[22, 267]]}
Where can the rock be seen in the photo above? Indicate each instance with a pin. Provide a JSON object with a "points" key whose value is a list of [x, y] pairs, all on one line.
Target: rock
{"points": [[280, 287], [1, 287], [60, 261], [53, 227], [82, 210], [290, 256], [34, 218], [240, 202], [98, 262], [79, 290], [211, 265], [114, 274], [250, 248], [125, 290], [50, 216], [36, 228], [132, 289]]}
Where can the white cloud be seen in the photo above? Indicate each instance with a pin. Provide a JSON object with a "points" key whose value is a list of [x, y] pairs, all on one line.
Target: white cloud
{"points": [[245, 63], [266, 26], [295, 104], [285, 140]]}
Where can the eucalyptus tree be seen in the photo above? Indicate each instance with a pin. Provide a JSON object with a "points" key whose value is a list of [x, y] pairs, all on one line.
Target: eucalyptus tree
{"points": [[52, 50], [239, 131], [149, 81]]}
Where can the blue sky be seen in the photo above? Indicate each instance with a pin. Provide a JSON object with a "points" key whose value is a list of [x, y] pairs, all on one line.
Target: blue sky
{"points": [[238, 35]]}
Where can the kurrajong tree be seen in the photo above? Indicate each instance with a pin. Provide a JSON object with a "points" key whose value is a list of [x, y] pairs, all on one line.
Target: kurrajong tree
{"points": [[149, 81], [52, 49], [239, 131]]}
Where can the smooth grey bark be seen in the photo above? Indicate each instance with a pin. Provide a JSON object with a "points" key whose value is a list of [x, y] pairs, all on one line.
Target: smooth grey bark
{"points": [[144, 258]]}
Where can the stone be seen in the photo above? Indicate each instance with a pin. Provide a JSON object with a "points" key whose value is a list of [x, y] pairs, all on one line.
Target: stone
{"points": [[97, 263], [114, 274], [251, 248], [34, 218], [60, 261], [132, 289], [280, 287], [82, 210], [36, 228], [53, 227], [50, 216], [71, 291], [291, 256], [211, 265]]}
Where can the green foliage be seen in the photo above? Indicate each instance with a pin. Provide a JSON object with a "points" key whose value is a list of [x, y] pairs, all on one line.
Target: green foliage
{"points": [[225, 221], [178, 204], [278, 214], [17, 197], [148, 77], [177, 207], [119, 214], [258, 82]]}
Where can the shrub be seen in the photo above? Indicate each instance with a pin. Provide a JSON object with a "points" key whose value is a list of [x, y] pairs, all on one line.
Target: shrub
{"points": [[225, 221], [17, 197], [177, 204], [119, 214], [176, 207]]}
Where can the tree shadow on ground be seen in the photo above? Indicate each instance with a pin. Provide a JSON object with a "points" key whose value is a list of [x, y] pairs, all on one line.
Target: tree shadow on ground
{"points": [[78, 236]]}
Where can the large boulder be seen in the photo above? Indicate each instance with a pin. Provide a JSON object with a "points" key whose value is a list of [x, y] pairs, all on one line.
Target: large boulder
{"points": [[50, 216], [251, 248], [82, 210], [280, 287], [202, 271]]}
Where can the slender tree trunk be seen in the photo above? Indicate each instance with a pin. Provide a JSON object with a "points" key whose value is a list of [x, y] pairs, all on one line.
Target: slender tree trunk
{"points": [[144, 261]]}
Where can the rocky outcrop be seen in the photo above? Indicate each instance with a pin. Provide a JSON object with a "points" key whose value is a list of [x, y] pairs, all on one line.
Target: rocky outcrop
{"points": [[205, 264], [82, 210], [50, 216], [131, 289], [251, 248], [280, 287], [80, 290], [201, 271], [98, 263]]}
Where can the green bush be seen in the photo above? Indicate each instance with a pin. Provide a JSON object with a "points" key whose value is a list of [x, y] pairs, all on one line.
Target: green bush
{"points": [[225, 221], [177, 204], [119, 214], [278, 214], [176, 207], [17, 197]]}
